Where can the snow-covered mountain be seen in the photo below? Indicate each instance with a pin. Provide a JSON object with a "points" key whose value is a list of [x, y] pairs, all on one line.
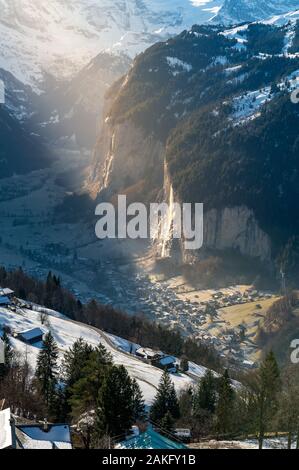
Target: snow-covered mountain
{"points": [[61, 36], [238, 11]]}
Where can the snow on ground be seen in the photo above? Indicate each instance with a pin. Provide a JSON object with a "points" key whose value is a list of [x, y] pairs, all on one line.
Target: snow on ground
{"points": [[251, 444], [247, 107], [60, 37], [126, 346], [66, 332], [178, 65]]}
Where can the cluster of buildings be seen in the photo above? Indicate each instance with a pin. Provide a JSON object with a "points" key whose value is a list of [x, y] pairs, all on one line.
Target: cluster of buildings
{"points": [[158, 359]]}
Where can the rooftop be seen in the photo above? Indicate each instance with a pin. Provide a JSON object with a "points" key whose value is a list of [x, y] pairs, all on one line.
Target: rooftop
{"points": [[36, 437], [151, 440], [29, 335]]}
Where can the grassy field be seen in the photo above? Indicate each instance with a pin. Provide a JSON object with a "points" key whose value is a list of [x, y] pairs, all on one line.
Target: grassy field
{"points": [[245, 313]]}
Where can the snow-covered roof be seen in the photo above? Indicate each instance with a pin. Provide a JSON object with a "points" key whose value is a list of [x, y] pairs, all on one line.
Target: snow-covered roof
{"points": [[29, 335], [150, 440], [147, 352], [4, 300], [36, 437], [6, 291], [165, 361]]}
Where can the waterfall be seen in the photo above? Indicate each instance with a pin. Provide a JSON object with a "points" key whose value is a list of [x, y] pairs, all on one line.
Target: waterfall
{"points": [[166, 230], [108, 163]]}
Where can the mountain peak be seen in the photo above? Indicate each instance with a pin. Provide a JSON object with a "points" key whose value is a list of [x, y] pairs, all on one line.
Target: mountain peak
{"points": [[238, 11]]}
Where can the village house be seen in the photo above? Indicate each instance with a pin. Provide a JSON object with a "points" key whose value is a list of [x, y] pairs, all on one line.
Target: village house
{"points": [[45, 436], [148, 354], [31, 337], [32, 436], [6, 296]]}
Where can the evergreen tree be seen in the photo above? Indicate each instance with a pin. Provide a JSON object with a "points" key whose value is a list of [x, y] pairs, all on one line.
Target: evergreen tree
{"points": [[138, 402], [47, 369], [115, 404], [167, 424], [85, 391], [8, 355], [225, 405], [165, 401], [205, 395], [288, 412], [74, 361], [268, 387]]}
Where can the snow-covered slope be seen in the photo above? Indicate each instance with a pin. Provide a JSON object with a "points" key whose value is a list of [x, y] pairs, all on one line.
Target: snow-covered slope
{"points": [[238, 11], [61, 36], [66, 332]]}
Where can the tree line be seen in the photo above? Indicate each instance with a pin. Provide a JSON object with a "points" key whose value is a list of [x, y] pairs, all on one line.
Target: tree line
{"points": [[102, 402], [136, 329]]}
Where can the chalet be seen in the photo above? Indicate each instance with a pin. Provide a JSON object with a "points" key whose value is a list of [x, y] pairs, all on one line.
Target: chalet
{"points": [[148, 354], [166, 363], [4, 301], [32, 337], [6, 293], [45, 436], [32, 436]]}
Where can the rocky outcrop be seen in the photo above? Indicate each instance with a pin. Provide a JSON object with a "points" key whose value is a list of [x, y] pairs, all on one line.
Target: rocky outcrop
{"points": [[124, 156], [236, 228], [229, 228]]}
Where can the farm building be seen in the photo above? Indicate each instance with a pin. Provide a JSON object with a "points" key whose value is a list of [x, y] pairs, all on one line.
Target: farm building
{"points": [[6, 292], [166, 363], [148, 354], [31, 336], [4, 301]]}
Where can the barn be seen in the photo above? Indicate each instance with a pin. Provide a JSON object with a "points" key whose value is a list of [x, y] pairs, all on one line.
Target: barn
{"points": [[32, 337]]}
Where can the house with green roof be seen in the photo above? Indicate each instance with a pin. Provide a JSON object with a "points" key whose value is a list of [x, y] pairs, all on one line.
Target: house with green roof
{"points": [[151, 440]]}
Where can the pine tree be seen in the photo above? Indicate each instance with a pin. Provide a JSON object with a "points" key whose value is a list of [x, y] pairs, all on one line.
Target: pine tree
{"points": [[8, 355], [205, 395], [47, 369], [167, 424], [8, 351], [165, 401], [85, 391], [115, 403], [74, 361], [225, 405], [288, 412], [138, 402], [268, 387]]}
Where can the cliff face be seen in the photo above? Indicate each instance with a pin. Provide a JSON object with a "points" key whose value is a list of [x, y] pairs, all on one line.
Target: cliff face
{"points": [[229, 228], [236, 228], [125, 156]]}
